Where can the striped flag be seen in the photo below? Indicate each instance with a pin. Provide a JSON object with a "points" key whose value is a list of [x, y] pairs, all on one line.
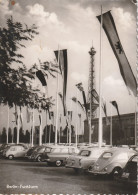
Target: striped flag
{"points": [[63, 66], [112, 35]]}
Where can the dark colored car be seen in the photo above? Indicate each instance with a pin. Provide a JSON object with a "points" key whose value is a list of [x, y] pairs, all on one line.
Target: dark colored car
{"points": [[37, 154], [29, 152], [129, 174]]}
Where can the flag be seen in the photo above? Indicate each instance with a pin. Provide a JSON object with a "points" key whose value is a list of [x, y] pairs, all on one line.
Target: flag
{"points": [[114, 103], [80, 105], [63, 66], [79, 86], [95, 95], [41, 77], [84, 100], [64, 106], [105, 112], [112, 35], [70, 115], [74, 99]]}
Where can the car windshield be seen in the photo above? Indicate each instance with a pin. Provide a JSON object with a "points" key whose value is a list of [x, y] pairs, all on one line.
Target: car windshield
{"points": [[84, 153], [48, 149], [41, 150]]}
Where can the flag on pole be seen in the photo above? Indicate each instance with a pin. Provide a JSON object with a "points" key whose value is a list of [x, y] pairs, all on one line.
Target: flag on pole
{"points": [[112, 35], [64, 106], [114, 103], [63, 66], [95, 95], [105, 112], [70, 115], [80, 87], [84, 100], [41, 77]]}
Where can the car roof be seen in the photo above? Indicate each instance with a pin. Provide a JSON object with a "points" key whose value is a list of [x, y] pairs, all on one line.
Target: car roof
{"points": [[118, 150]]}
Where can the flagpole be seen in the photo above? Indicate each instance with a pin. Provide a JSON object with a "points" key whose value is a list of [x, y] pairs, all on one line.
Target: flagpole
{"points": [[57, 100], [90, 119], [40, 132], [111, 127], [30, 130], [33, 130], [76, 118], [100, 87], [46, 127], [135, 121], [8, 124]]}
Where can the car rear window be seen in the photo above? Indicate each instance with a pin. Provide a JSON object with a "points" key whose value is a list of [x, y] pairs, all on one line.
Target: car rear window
{"points": [[85, 153], [107, 155], [135, 159]]}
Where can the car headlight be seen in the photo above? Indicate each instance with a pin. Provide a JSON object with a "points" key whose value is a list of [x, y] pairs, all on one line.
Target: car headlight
{"points": [[105, 169], [96, 167]]}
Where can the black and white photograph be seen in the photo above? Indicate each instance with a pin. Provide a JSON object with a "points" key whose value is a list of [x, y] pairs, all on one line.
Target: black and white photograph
{"points": [[68, 97]]}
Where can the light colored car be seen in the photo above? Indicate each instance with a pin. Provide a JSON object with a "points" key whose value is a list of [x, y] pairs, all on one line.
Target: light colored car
{"points": [[111, 161], [15, 151], [58, 154], [84, 159]]}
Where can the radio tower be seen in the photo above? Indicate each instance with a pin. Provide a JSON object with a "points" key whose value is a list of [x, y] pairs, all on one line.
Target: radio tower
{"points": [[91, 86]]}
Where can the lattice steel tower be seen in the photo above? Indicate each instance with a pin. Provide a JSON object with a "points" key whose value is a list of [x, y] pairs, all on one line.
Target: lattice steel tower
{"points": [[91, 83]]}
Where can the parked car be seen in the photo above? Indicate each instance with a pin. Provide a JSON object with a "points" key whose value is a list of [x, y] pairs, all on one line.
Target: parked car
{"points": [[15, 151], [111, 161], [37, 154], [84, 159], [30, 151], [4, 146], [128, 175], [58, 154]]}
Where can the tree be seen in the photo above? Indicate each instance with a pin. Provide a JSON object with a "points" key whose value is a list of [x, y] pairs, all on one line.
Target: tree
{"points": [[12, 82]]}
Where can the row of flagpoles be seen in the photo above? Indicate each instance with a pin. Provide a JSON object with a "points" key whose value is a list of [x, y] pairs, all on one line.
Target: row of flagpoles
{"points": [[107, 23]]}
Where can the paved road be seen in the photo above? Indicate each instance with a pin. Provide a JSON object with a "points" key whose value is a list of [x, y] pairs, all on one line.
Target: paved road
{"points": [[20, 176]]}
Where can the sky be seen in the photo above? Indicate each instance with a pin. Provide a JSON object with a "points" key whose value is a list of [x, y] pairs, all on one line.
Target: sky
{"points": [[72, 25]]}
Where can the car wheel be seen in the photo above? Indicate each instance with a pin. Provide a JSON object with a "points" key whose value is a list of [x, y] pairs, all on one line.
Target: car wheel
{"points": [[115, 172], [10, 157], [39, 159], [90, 168], [58, 163]]}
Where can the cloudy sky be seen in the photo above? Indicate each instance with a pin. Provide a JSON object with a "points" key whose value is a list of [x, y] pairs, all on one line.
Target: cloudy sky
{"points": [[72, 25]]}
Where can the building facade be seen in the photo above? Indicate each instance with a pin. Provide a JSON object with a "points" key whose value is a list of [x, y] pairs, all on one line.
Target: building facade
{"points": [[123, 130]]}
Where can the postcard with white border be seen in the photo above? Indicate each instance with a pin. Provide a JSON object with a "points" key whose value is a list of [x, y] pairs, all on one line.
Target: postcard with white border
{"points": [[68, 97]]}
